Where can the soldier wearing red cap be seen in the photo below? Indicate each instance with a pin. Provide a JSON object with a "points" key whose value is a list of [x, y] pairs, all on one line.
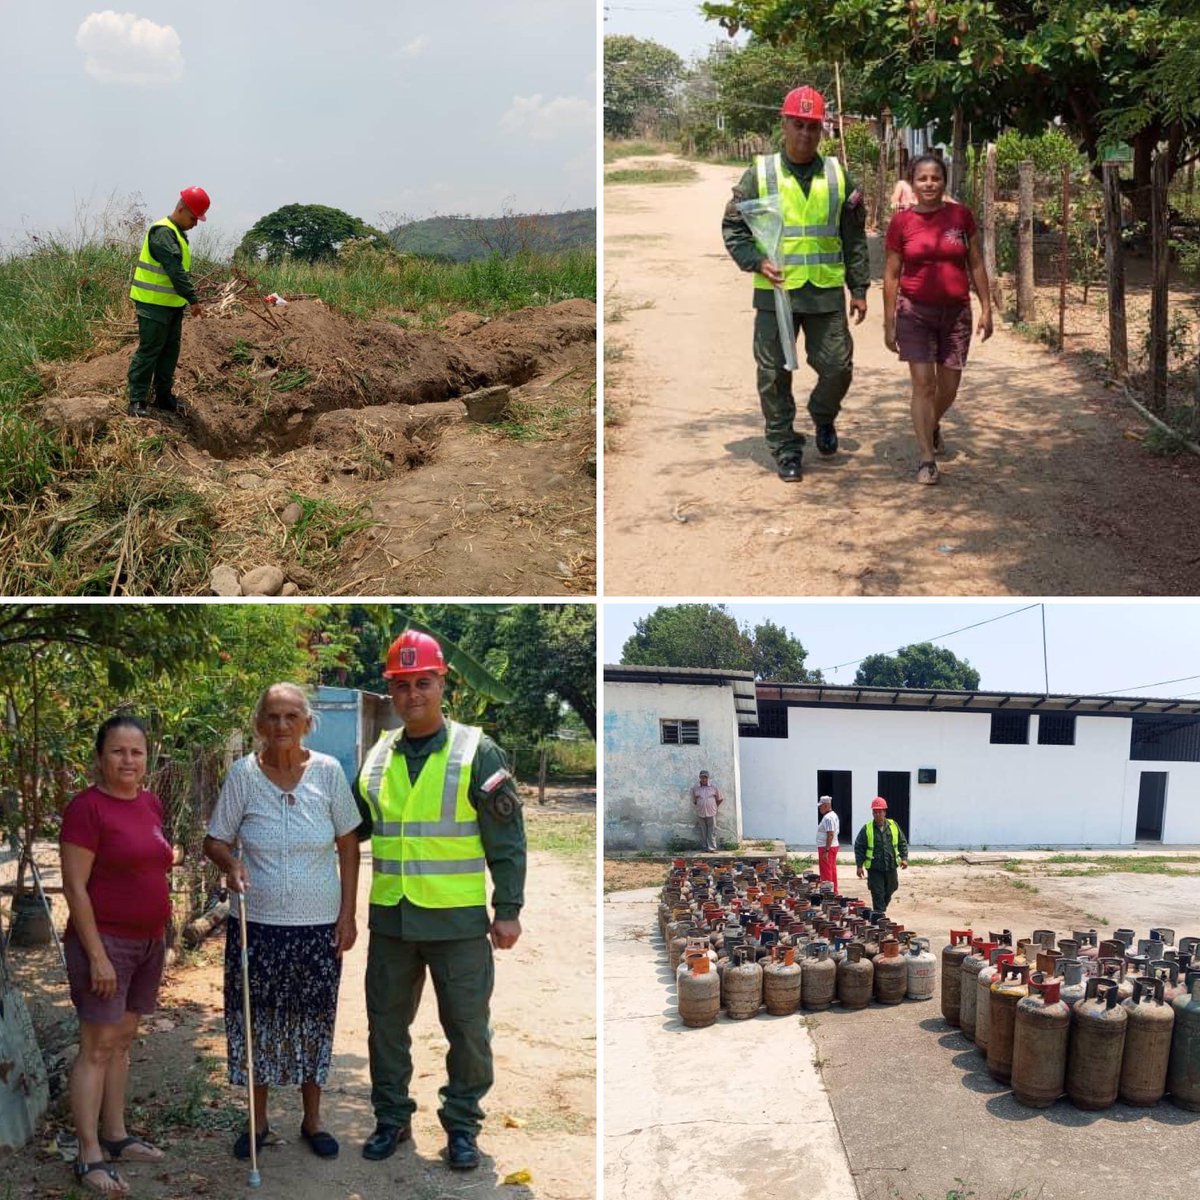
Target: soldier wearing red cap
{"points": [[824, 253], [162, 289], [438, 803], [879, 848]]}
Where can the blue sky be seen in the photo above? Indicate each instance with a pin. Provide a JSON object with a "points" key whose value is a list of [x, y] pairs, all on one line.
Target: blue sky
{"points": [[372, 106], [1099, 646]]}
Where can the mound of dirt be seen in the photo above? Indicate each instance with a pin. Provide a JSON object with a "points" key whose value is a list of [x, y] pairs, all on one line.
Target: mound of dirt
{"points": [[258, 381]]}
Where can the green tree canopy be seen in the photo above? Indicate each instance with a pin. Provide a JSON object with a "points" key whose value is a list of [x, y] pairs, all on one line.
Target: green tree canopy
{"points": [[309, 231], [640, 79], [921, 665]]}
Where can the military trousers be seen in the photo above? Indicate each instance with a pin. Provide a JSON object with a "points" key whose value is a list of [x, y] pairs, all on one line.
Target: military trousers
{"points": [[463, 974], [156, 357], [883, 885], [828, 350]]}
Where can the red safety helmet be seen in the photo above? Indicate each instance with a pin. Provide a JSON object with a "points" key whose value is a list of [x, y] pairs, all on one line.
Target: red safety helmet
{"points": [[804, 102], [197, 201], [412, 652], [879, 804]]}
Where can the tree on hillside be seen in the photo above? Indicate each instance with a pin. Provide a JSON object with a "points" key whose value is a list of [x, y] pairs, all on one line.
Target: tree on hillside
{"points": [[312, 232], [921, 665], [707, 635], [1010, 63], [640, 80]]}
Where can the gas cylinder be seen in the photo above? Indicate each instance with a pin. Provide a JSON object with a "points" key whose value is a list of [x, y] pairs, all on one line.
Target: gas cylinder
{"points": [[1010, 988], [782, 982], [699, 993], [695, 949], [1147, 1050], [1002, 957], [1183, 1072], [743, 986], [922, 970], [1126, 973], [819, 977], [683, 940], [1164, 935], [1074, 986], [1089, 943], [1042, 1027], [1112, 948], [1189, 945], [870, 941], [979, 958], [891, 973], [1125, 935], [1097, 1046], [1069, 947], [855, 978], [1046, 938], [1166, 972], [1046, 960], [952, 959]]}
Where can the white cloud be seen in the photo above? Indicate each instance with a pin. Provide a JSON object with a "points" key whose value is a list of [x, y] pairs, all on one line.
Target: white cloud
{"points": [[126, 48], [545, 120], [417, 46]]}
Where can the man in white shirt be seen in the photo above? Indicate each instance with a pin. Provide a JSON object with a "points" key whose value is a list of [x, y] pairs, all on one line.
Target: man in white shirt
{"points": [[828, 828], [707, 799]]}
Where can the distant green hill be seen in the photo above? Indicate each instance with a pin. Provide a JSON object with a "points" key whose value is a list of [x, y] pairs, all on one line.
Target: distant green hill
{"points": [[465, 238]]}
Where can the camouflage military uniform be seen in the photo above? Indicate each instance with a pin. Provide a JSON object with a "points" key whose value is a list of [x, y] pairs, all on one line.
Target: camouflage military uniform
{"points": [[820, 312]]}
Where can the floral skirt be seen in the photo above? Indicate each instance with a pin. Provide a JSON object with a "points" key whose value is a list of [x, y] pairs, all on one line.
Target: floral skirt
{"points": [[294, 977]]}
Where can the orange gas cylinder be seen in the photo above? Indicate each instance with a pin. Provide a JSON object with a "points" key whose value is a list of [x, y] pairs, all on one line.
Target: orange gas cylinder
{"points": [[781, 982], [1006, 992], [891, 973], [952, 960], [1041, 1031], [1097, 1047], [1147, 1050], [699, 993], [855, 978]]}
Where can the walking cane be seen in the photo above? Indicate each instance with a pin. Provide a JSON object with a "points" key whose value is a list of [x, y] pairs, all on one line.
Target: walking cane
{"points": [[253, 1179]]}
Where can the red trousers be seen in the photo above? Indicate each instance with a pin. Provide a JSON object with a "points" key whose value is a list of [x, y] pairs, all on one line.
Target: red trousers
{"points": [[827, 860]]}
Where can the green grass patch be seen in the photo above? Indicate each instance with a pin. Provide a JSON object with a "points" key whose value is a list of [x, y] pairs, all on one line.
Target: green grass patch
{"points": [[669, 173], [323, 526], [573, 835], [1134, 864], [204, 1102], [614, 149]]}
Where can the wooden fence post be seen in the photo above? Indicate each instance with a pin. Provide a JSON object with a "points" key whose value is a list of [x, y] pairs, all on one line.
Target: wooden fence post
{"points": [[1063, 249], [1160, 223], [989, 225], [1026, 295], [1114, 264]]}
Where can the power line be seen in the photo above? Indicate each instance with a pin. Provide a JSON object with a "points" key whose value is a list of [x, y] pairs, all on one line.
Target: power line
{"points": [[1143, 686]]}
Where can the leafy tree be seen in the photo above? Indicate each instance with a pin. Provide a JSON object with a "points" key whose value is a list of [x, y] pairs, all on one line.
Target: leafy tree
{"points": [[921, 665], [776, 654], [640, 79], [312, 232], [1012, 63]]}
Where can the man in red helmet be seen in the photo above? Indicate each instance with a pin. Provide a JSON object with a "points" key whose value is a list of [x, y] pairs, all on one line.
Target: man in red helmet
{"points": [[879, 848], [438, 802], [824, 253], [162, 289]]}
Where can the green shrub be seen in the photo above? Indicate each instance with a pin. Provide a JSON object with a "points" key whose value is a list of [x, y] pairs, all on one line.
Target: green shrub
{"points": [[1049, 152]]}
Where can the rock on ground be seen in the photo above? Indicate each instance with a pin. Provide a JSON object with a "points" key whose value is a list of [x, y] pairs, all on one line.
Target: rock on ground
{"points": [[262, 581]]}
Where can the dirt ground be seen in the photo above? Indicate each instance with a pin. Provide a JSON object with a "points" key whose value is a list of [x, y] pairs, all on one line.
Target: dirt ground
{"points": [[1046, 488], [369, 413], [541, 1112], [919, 1116]]}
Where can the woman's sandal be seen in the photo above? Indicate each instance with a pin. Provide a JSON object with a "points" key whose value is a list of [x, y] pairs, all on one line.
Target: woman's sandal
{"points": [[131, 1149], [83, 1176], [927, 472]]}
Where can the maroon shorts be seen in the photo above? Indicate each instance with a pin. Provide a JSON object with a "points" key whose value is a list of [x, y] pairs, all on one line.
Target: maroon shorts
{"points": [[933, 333], [138, 963]]}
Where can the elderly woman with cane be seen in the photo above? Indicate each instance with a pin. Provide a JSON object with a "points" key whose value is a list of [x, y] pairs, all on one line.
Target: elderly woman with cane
{"points": [[115, 863], [284, 834]]}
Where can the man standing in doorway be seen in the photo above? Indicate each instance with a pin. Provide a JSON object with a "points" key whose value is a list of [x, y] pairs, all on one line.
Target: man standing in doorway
{"points": [[824, 252], [438, 802], [706, 798], [828, 828], [878, 849]]}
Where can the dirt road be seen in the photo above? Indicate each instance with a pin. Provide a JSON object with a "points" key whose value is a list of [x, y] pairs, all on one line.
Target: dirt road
{"points": [[541, 1112], [1046, 489]]}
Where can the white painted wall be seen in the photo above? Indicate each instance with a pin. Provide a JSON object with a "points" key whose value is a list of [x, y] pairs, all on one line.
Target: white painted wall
{"points": [[985, 795], [647, 786]]}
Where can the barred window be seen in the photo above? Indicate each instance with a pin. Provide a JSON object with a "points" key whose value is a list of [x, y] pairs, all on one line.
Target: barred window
{"points": [[1056, 729], [679, 732], [772, 721], [1010, 729]]}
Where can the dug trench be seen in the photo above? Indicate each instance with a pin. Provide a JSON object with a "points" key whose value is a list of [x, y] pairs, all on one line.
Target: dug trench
{"points": [[294, 407]]}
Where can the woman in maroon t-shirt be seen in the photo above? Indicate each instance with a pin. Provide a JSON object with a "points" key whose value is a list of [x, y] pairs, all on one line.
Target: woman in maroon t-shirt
{"points": [[115, 860], [927, 300]]}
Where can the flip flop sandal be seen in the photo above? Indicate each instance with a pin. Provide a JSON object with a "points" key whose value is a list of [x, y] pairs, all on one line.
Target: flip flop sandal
{"points": [[927, 473], [144, 1152], [83, 1172]]}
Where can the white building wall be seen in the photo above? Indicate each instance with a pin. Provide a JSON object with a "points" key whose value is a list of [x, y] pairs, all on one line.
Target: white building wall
{"points": [[985, 795], [647, 786]]}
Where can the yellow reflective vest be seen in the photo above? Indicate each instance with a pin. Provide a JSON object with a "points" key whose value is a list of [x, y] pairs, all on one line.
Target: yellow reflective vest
{"points": [[151, 284], [812, 241], [894, 829], [425, 841]]}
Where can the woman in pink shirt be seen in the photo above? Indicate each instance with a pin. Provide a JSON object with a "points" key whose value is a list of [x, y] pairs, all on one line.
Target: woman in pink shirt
{"points": [[115, 862], [927, 301]]}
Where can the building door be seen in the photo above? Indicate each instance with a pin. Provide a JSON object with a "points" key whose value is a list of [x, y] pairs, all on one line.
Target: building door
{"points": [[893, 787], [837, 785], [1152, 802]]}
